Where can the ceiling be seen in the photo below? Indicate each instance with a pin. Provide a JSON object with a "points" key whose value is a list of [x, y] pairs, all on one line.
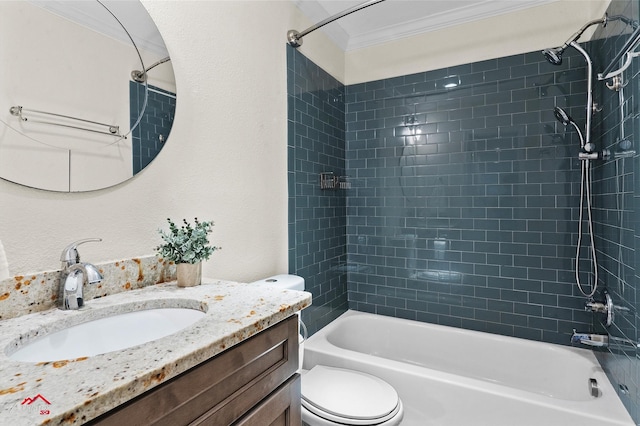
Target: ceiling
{"points": [[98, 16], [379, 23], [395, 19]]}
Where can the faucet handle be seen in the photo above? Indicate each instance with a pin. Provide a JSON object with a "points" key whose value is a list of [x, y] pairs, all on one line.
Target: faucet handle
{"points": [[70, 254]]}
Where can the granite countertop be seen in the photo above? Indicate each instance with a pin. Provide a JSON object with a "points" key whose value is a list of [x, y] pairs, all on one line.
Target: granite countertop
{"points": [[70, 392]]}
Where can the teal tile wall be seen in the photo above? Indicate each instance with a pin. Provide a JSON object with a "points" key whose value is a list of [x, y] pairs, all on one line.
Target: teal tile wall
{"points": [[317, 218], [470, 224], [464, 200], [617, 205], [149, 136]]}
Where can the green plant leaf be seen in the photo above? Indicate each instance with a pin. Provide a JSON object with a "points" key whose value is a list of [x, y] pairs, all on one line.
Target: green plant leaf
{"points": [[188, 243]]}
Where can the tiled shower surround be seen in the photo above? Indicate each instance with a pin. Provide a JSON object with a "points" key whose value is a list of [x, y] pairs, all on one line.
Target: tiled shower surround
{"points": [[462, 201], [617, 203], [463, 206], [317, 218], [149, 136]]}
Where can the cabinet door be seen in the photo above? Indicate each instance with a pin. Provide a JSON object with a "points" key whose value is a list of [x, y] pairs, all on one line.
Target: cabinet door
{"points": [[222, 389], [281, 408]]}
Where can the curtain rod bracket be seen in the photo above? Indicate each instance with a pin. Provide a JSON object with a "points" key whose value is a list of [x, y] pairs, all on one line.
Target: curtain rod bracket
{"points": [[294, 38]]}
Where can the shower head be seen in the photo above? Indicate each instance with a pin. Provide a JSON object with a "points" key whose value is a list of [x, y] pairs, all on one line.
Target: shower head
{"points": [[563, 117], [554, 54]]}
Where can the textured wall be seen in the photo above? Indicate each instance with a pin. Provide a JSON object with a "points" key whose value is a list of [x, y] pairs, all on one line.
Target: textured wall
{"points": [[225, 159]]}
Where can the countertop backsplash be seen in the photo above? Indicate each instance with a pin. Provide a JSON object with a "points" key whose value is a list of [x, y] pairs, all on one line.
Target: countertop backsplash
{"points": [[28, 293]]}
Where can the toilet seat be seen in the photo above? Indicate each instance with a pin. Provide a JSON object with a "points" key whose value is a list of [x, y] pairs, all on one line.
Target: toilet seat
{"points": [[349, 397]]}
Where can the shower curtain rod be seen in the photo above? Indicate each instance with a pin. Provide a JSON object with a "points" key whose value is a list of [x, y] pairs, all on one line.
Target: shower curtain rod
{"points": [[625, 51], [295, 38], [141, 76]]}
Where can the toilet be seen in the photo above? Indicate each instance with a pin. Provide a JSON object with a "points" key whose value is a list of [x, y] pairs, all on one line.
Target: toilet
{"points": [[336, 396]]}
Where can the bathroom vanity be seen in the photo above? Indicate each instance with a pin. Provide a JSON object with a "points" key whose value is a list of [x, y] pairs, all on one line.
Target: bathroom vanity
{"points": [[252, 383], [235, 365]]}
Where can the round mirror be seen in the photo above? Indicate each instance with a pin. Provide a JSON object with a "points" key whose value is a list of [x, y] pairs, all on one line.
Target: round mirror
{"points": [[87, 93]]}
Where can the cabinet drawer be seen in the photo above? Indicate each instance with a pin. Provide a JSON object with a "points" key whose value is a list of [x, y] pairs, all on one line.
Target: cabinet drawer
{"points": [[223, 388], [281, 408]]}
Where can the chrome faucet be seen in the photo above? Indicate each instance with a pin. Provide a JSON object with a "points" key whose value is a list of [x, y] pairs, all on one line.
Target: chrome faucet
{"points": [[75, 275], [607, 307]]}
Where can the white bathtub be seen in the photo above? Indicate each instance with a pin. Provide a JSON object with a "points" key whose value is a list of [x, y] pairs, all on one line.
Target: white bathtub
{"points": [[452, 377]]}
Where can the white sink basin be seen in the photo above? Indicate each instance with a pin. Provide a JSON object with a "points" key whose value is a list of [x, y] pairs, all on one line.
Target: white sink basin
{"points": [[107, 334]]}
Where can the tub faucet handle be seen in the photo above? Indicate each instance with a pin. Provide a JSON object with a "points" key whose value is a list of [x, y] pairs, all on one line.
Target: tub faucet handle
{"points": [[605, 307]]}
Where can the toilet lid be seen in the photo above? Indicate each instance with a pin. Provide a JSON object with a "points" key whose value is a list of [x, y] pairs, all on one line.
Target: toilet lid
{"points": [[348, 396]]}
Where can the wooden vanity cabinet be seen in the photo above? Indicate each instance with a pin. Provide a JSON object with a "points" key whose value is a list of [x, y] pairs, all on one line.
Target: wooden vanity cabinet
{"points": [[254, 383]]}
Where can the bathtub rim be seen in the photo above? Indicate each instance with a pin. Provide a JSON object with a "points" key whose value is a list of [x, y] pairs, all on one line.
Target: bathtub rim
{"points": [[318, 347]]}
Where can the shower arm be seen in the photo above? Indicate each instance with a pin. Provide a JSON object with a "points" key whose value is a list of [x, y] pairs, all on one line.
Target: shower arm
{"points": [[589, 91], [579, 33], [295, 38]]}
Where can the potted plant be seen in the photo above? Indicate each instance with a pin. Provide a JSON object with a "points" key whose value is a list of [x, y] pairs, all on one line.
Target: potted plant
{"points": [[187, 246]]}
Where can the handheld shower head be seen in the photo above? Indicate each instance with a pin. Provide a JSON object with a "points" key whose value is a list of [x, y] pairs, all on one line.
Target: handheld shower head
{"points": [[563, 117]]}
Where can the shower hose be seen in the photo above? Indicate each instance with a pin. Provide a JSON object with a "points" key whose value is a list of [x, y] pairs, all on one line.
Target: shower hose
{"points": [[585, 193]]}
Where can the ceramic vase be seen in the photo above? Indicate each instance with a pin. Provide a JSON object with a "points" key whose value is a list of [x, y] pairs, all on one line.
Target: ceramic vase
{"points": [[189, 274]]}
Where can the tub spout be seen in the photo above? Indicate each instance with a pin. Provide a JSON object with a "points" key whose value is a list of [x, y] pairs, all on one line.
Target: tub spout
{"points": [[589, 339]]}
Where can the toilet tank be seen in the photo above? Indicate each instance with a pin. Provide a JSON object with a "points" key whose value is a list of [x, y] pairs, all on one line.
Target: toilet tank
{"points": [[284, 281], [289, 282]]}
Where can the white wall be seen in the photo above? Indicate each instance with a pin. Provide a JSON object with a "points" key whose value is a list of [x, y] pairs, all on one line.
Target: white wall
{"points": [[531, 29], [224, 160], [226, 157]]}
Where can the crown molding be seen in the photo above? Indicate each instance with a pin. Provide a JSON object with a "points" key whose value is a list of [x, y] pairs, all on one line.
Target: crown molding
{"points": [[339, 33], [131, 14]]}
